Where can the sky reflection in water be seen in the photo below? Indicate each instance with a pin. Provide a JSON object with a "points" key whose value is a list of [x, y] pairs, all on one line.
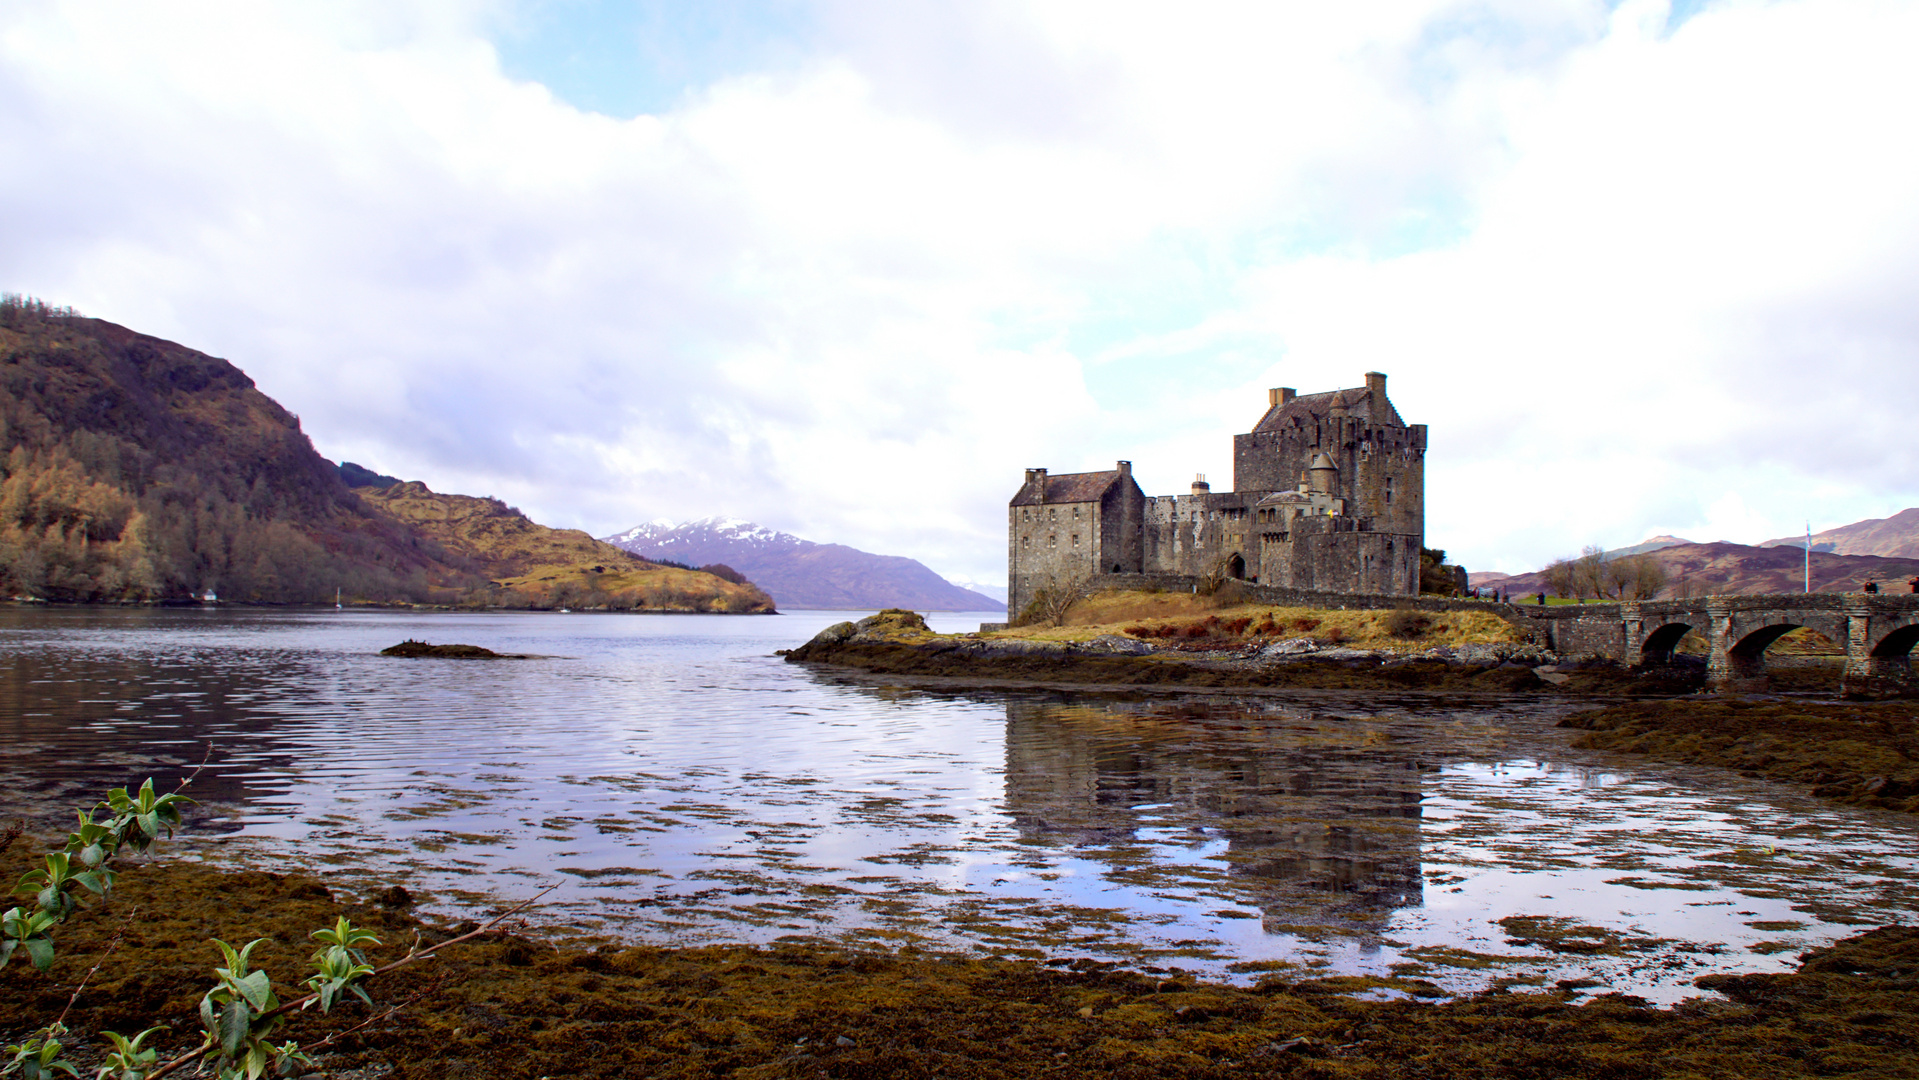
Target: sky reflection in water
{"points": [[690, 787]]}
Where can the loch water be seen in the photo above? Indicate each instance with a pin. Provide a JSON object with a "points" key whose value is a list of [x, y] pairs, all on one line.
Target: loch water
{"points": [[686, 786]]}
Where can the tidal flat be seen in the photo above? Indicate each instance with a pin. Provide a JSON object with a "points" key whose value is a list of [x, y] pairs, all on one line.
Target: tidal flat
{"points": [[516, 1004], [699, 801]]}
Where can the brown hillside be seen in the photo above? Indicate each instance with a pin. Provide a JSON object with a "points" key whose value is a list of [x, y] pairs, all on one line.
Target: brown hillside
{"points": [[136, 469], [1895, 537], [1741, 569], [532, 565]]}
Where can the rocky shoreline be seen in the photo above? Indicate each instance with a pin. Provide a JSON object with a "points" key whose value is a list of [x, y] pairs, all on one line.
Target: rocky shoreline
{"points": [[899, 643]]}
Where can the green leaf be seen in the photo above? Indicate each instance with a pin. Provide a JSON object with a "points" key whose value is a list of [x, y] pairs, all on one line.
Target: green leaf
{"points": [[40, 948], [258, 989], [233, 1024]]}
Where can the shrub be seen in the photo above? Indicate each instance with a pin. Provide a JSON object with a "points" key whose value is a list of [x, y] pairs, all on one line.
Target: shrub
{"points": [[1404, 623]]}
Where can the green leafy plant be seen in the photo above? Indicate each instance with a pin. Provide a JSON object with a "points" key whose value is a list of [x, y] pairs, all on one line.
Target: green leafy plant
{"points": [[241, 1011], [341, 964], [128, 1060], [38, 1057], [31, 930], [239, 1014]]}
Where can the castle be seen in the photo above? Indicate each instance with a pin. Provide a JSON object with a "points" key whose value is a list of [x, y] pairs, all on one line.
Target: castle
{"points": [[1329, 494]]}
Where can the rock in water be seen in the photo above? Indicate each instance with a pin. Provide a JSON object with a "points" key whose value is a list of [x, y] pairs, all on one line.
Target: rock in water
{"points": [[410, 648]]}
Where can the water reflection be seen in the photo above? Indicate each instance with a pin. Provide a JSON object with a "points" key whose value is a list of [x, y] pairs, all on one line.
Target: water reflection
{"points": [[1297, 807]]}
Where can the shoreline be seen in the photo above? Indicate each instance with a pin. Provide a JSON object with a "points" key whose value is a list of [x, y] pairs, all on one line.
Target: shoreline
{"points": [[517, 1004], [898, 643]]}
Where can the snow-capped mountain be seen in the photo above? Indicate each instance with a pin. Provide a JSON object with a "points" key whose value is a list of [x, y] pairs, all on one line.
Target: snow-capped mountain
{"points": [[800, 573]]}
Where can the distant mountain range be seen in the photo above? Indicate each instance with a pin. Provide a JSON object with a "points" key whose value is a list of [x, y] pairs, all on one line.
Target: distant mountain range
{"points": [[1884, 550], [800, 573]]}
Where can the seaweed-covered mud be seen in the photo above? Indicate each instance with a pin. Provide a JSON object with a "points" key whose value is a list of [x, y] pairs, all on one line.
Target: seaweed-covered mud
{"points": [[1859, 754], [898, 643], [520, 1004]]}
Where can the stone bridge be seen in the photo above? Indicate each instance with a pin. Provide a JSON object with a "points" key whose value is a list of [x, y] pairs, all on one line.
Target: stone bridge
{"points": [[1878, 632]]}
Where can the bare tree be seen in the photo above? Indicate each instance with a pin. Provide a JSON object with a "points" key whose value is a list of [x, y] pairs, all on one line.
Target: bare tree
{"points": [[1054, 601], [1648, 577], [1589, 572], [1561, 576], [1215, 576]]}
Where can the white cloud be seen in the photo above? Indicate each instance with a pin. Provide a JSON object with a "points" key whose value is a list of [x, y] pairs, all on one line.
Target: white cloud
{"points": [[1635, 279]]}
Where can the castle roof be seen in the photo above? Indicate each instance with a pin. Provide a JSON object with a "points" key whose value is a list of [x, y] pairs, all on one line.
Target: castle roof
{"points": [[1312, 408], [1069, 488]]}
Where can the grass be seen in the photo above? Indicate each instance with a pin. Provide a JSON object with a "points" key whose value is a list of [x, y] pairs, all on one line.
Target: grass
{"points": [[1173, 616]]}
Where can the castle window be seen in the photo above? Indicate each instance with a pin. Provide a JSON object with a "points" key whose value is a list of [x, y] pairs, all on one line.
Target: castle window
{"points": [[1075, 539], [1026, 515], [1052, 541], [1075, 513], [1052, 513], [1022, 543], [1389, 491]]}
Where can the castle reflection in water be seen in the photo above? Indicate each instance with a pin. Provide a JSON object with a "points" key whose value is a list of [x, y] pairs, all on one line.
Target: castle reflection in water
{"points": [[1307, 817]]}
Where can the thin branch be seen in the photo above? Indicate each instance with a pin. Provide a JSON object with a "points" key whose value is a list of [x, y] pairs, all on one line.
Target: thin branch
{"points": [[95, 969], [197, 770], [429, 990], [416, 953]]}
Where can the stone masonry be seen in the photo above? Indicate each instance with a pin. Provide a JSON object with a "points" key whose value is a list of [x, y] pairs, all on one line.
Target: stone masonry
{"points": [[1329, 495]]}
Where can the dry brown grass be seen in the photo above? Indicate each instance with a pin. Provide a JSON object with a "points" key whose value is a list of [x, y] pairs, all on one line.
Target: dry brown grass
{"points": [[1187, 617], [534, 566]]}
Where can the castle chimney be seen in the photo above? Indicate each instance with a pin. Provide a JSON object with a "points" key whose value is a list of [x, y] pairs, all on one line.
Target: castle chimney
{"points": [[1200, 486], [1280, 395], [1037, 478], [1376, 385], [1126, 468]]}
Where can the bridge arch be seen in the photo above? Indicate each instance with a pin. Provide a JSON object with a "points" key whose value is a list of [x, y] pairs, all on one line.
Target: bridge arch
{"points": [[1896, 644], [1659, 644], [1236, 567], [1754, 643]]}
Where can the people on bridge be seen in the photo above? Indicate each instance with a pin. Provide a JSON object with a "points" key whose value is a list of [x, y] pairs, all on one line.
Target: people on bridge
{"points": [[1870, 587]]}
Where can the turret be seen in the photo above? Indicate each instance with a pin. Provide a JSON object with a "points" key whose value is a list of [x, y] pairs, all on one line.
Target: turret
{"points": [[1324, 475]]}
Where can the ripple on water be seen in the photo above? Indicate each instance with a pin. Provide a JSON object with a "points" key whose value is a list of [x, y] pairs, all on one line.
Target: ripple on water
{"points": [[691, 788]]}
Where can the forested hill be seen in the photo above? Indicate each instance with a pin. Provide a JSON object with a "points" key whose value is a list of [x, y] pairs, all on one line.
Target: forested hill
{"points": [[138, 470]]}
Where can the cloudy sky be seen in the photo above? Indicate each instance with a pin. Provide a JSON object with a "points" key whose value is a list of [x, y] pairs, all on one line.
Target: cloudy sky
{"points": [[845, 267]]}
